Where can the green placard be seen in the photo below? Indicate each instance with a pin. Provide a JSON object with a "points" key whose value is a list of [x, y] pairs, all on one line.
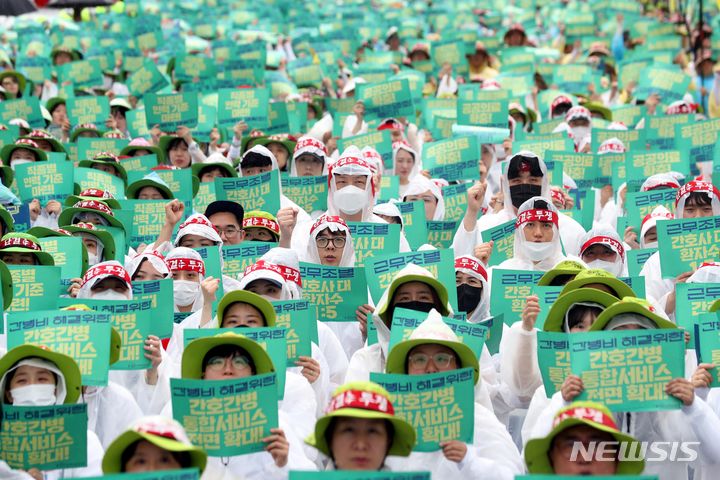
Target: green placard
{"points": [[456, 158], [227, 417], [68, 253], [46, 438], [625, 370], [88, 110], [236, 258], [192, 67], [148, 218], [455, 197], [504, 237], [248, 104], [89, 147], [171, 111], [636, 259], [309, 193], [707, 332], [298, 318], [371, 238], [82, 73], [185, 474], [204, 196], [337, 291], [692, 300], [389, 188], [34, 287], [698, 140], [547, 295], [179, 181], [540, 147], [213, 268], [640, 204], [574, 78], [580, 477], [381, 271], [135, 120], [146, 79], [510, 289], [160, 295], [633, 139], [387, 99], [581, 167], [141, 164], [44, 180], [687, 243], [641, 165], [258, 192], [414, 223], [441, 233], [440, 406], [667, 81], [358, 475], [84, 336], [381, 141], [86, 178], [25, 108], [660, 130], [488, 113]]}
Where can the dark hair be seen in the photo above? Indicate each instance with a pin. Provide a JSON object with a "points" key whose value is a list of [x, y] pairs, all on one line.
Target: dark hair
{"points": [[541, 205], [562, 280], [183, 458], [576, 313], [249, 304], [330, 431], [175, 143], [437, 304], [226, 351], [212, 168], [698, 199], [226, 206]]}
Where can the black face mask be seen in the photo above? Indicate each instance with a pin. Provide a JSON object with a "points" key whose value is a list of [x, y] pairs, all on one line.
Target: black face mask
{"points": [[415, 305], [468, 297], [519, 194]]}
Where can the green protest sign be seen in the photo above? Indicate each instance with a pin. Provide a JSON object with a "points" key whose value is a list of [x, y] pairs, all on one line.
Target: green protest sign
{"points": [[82, 73], [83, 336], [625, 370], [370, 238], [541, 147], [148, 218], [46, 438], [446, 107], [358, 475], [160, 295], [660, 130], [336, 291], [44, 180], [440, 406], [692, 300], [142, 163], [581, 167], [455, 197], [707, 333], [636, 259], [34, 287], [510, 289], [146, 79], [456, 158], [135, 120], [89, 147], [298, 318], [641, 165], [185, 474], [277, 119], [633, 139], [271, 339], [213, 268], [573, 77], [227, 417], [686, 243], [441, 233], [414, 223], [180, 181], [35, 69], [171, 111], [547, 127], [640, 204], [389, 188], [236, 258], [309, 193], [86, 178], [547, 295], [628, 114], [380, 140], [69, 254], [448, 51], [204, 196], [698, 140], [381, 271], [192, 67], [488, 113], [88, 110], [258, 192], [307, 75], [391, 98], [667, 81], [504, 237], [25, 108], [248, 104]]}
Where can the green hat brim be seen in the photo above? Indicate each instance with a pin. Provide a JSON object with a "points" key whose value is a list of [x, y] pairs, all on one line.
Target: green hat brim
{"points": [[163, 145], [110, 202], [551, 275], [56, 146], [64, 363], [65, 217], [80, 131], [44, 232], [120, 169], [621, 288], [54, 102], [7, 219], [129, 150], [115, 345], [105, 238], [7, 151], [432, 282], [43, 257], [601, 109], [621, 307], [133, 189], [7, 285], [288, 144], [398, 355], [715, 306], [197, 167], [250, 298], [8, 175], [537, 449], [22, 81], [403, 439], [195, 351], [556, 316], [113, 455]]}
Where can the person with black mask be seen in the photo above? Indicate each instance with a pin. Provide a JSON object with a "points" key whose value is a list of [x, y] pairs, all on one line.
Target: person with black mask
{"points": [[472, 292], [524, 176]]}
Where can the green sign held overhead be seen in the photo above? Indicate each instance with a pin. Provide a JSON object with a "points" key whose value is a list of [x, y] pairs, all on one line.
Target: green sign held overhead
{"points": [[337, 291], [370, 238], [44, 180], [387, 99], [171, 111], [248, 104], [686, 243], [88, 110], [309, 193], [34, 287], [258, 192]]}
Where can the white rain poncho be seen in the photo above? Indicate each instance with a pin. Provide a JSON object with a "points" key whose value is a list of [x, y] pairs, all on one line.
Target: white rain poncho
{"points": [[608, 237], [418, 186]]}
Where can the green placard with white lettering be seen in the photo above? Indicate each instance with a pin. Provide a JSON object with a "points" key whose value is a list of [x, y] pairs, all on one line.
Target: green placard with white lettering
{"points": [[391, 98], [686, 243], [641, 165], [88, 110], [258, 192], [504, 237], [488, 113], [298, 318], [146, 79], [337, 291], [668, 81], [86, 178], [371, 238], [171, 111], [414, 223], [247, 104], [34, 287], [82, 73], [456, 158], [89, 147], [26, 108], [698, 140], [309, 193], [44, 180], [510, 290], [581, 167]]}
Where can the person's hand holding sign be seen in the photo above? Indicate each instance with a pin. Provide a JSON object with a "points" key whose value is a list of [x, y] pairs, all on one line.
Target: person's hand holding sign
{"points": [[483, 251], [153, 352], [454, 450], [310, 368], [571, 388], [278, 446], [702, 378], [681, 389]]}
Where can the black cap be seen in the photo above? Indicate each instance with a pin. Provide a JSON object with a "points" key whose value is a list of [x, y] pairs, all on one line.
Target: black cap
{"points": [[226, 206], [255, 159], [522, 163]]}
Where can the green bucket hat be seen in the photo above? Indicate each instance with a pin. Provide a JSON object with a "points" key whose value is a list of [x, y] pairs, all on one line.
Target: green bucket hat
{"points": [[102, 236], [196, 350], [260, 219], [282, 140], [7, 285], [44, 135], [556, 316], [16, 242], [83, 128], [7, 219], [151, 180], [130, 150], [600, 109], [413, 273], [105, 158], [364, 400], [162, 432], [565, 267], [198, 167], [93, 194], [637, 306], [590, 414], [244, 296], [164, 145], [22, 81], [75, 54], [24, 143], [435, 332], [90, 206], [596, 275], [715, 306], [67, 366], [54, 102]]}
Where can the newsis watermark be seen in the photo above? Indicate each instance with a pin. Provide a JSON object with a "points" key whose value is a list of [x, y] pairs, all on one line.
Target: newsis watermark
{"points": [[634, 451]]}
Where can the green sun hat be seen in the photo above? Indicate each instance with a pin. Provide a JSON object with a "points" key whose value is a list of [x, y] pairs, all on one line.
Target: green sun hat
{"points": [[7, 285], [164, 145], [151, 180], [244, 296], [83, 128], [93, 194], [54, 102], [556, 316], [67, 366], [90, 206], [22, 81], [596, 275], [590, 414], [196, 350], [414, 273], [165, 433], [634, 305], [39, 134], [197, 168], [26, 144], [432, 331], [105, 158], [104, 237], [46, 232], [565, 267], [364, 400], [260, 219], [281, 139], [130, 150], [7, 219], [715, 306], [249, 141], [16, 242], [75, 54], [600, 109]]}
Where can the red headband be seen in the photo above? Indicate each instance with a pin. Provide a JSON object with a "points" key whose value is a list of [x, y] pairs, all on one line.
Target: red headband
{"points": [[604, 240], [20, 242], [262, 222], [94, 205], [586, 413], [323, 219], [470, 264], [536, 216], [694, 186], [186, 264], [112, 270], [361, 399]]}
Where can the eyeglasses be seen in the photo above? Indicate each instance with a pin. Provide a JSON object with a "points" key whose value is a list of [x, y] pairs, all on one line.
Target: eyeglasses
{"points": [[420, 360], [323, 242], [217, 363], [229, 231]]}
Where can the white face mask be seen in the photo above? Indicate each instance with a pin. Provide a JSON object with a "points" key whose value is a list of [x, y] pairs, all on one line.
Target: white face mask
{"points": [[350, 199], [93, 259], [537, 251], [109, 294], [19, 161], [650, 244], [580, 132], [38, 395], [611, 267], [185, 292]]}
